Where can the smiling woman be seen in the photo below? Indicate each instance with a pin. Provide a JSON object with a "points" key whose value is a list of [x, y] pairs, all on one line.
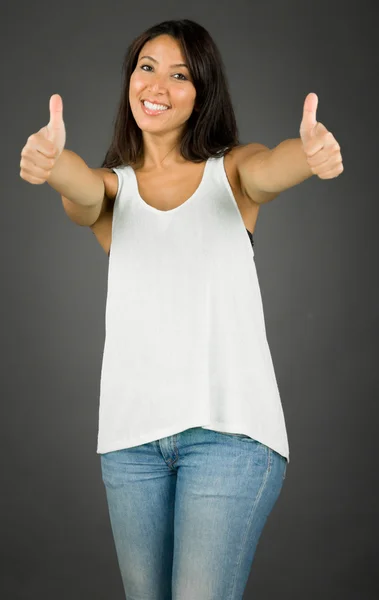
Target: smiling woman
{"points": [[178, 65], [188, 389], [192, 438]]}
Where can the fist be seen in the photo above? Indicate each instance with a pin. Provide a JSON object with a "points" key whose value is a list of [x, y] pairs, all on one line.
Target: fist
{"points": [[43, 148], [321, 148]]}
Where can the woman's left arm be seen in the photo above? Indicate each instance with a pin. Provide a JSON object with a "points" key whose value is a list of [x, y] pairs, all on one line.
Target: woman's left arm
{"points": [[264, 173]]}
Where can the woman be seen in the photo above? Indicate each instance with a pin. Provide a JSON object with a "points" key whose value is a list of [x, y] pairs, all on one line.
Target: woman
{"points": [[192, 436]]}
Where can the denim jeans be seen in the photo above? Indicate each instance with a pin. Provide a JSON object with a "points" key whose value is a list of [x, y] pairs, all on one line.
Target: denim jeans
{"points": [[187, 512]]}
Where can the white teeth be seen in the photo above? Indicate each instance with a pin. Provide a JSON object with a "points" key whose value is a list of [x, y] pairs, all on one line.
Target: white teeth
{"points": [[154, 106]]}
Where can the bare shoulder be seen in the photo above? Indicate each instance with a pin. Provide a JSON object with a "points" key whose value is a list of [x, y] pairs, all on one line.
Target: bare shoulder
{"points": [[110, 192], [242, 151], [233, 161], [244, 158], [239, 154], [110, 182]]}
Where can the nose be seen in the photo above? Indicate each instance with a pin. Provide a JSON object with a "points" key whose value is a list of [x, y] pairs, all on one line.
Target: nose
{"points": [[158, 83]]}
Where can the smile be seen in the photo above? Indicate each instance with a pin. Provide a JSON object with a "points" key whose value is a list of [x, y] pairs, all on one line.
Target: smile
{"points": [[153, 109]]}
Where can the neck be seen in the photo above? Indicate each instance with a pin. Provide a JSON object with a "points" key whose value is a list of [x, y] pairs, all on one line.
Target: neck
{"points": [[161, 152]]}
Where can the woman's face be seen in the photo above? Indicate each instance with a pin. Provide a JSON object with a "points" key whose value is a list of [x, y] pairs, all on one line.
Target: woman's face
{"points": [[161, 78]]}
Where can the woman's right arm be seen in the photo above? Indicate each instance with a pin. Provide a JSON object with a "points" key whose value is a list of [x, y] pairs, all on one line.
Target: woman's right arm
{"points": [[82, 188], [44, 159]]}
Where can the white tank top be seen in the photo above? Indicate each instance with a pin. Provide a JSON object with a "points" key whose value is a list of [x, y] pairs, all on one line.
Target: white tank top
{"points": [[185, 337]]}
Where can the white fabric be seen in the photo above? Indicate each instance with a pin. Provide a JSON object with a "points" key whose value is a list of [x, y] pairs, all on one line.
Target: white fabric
{"points": [[185, 337]]}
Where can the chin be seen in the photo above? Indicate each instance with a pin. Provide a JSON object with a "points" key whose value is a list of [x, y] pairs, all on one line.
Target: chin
{"points": [[149, 127]]}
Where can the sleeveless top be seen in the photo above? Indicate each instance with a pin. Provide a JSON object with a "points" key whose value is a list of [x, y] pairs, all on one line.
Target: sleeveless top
{"points": [[185, 338]]}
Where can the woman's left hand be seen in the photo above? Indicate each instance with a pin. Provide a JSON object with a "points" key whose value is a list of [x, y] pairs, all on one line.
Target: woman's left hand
{"points": [[320, 146]]}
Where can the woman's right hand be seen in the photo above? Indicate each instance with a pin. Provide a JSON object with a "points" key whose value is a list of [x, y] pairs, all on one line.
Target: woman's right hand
{"points": [[43, 148]]}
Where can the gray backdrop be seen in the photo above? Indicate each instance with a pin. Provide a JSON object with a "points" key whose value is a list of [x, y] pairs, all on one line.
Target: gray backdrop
{"points": [[316, 254]]}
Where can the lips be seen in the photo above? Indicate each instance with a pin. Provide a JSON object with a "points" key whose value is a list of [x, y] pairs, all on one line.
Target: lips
{"points": [[153, 113]]}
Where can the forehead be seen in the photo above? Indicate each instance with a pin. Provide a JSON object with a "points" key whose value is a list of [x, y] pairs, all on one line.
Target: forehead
{"points": [[163, 47]]}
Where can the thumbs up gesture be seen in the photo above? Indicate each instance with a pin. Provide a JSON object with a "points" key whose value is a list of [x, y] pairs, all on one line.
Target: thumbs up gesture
{"points": [[320, 146], [43, 148]]}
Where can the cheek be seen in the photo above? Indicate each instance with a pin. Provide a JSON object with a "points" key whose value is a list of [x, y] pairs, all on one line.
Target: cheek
{"points": [[136, 85], [185, 97]]}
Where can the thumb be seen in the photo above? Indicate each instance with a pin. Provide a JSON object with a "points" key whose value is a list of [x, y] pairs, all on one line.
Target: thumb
{"points": [[56, 115], [309, 122]]}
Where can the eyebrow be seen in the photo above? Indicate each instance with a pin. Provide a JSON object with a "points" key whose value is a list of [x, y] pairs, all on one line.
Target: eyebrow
{"points": [[177, 65]]}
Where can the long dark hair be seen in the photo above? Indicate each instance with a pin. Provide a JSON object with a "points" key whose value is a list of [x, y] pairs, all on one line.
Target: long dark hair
{"points": [[211, 130]]}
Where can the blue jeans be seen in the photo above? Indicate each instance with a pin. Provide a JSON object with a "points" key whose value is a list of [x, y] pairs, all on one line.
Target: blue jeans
{"points": [[187, 512]]}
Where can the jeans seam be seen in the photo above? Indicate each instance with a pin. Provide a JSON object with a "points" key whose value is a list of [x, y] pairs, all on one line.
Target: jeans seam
{"points": [[174, 460], [252, 513]]}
